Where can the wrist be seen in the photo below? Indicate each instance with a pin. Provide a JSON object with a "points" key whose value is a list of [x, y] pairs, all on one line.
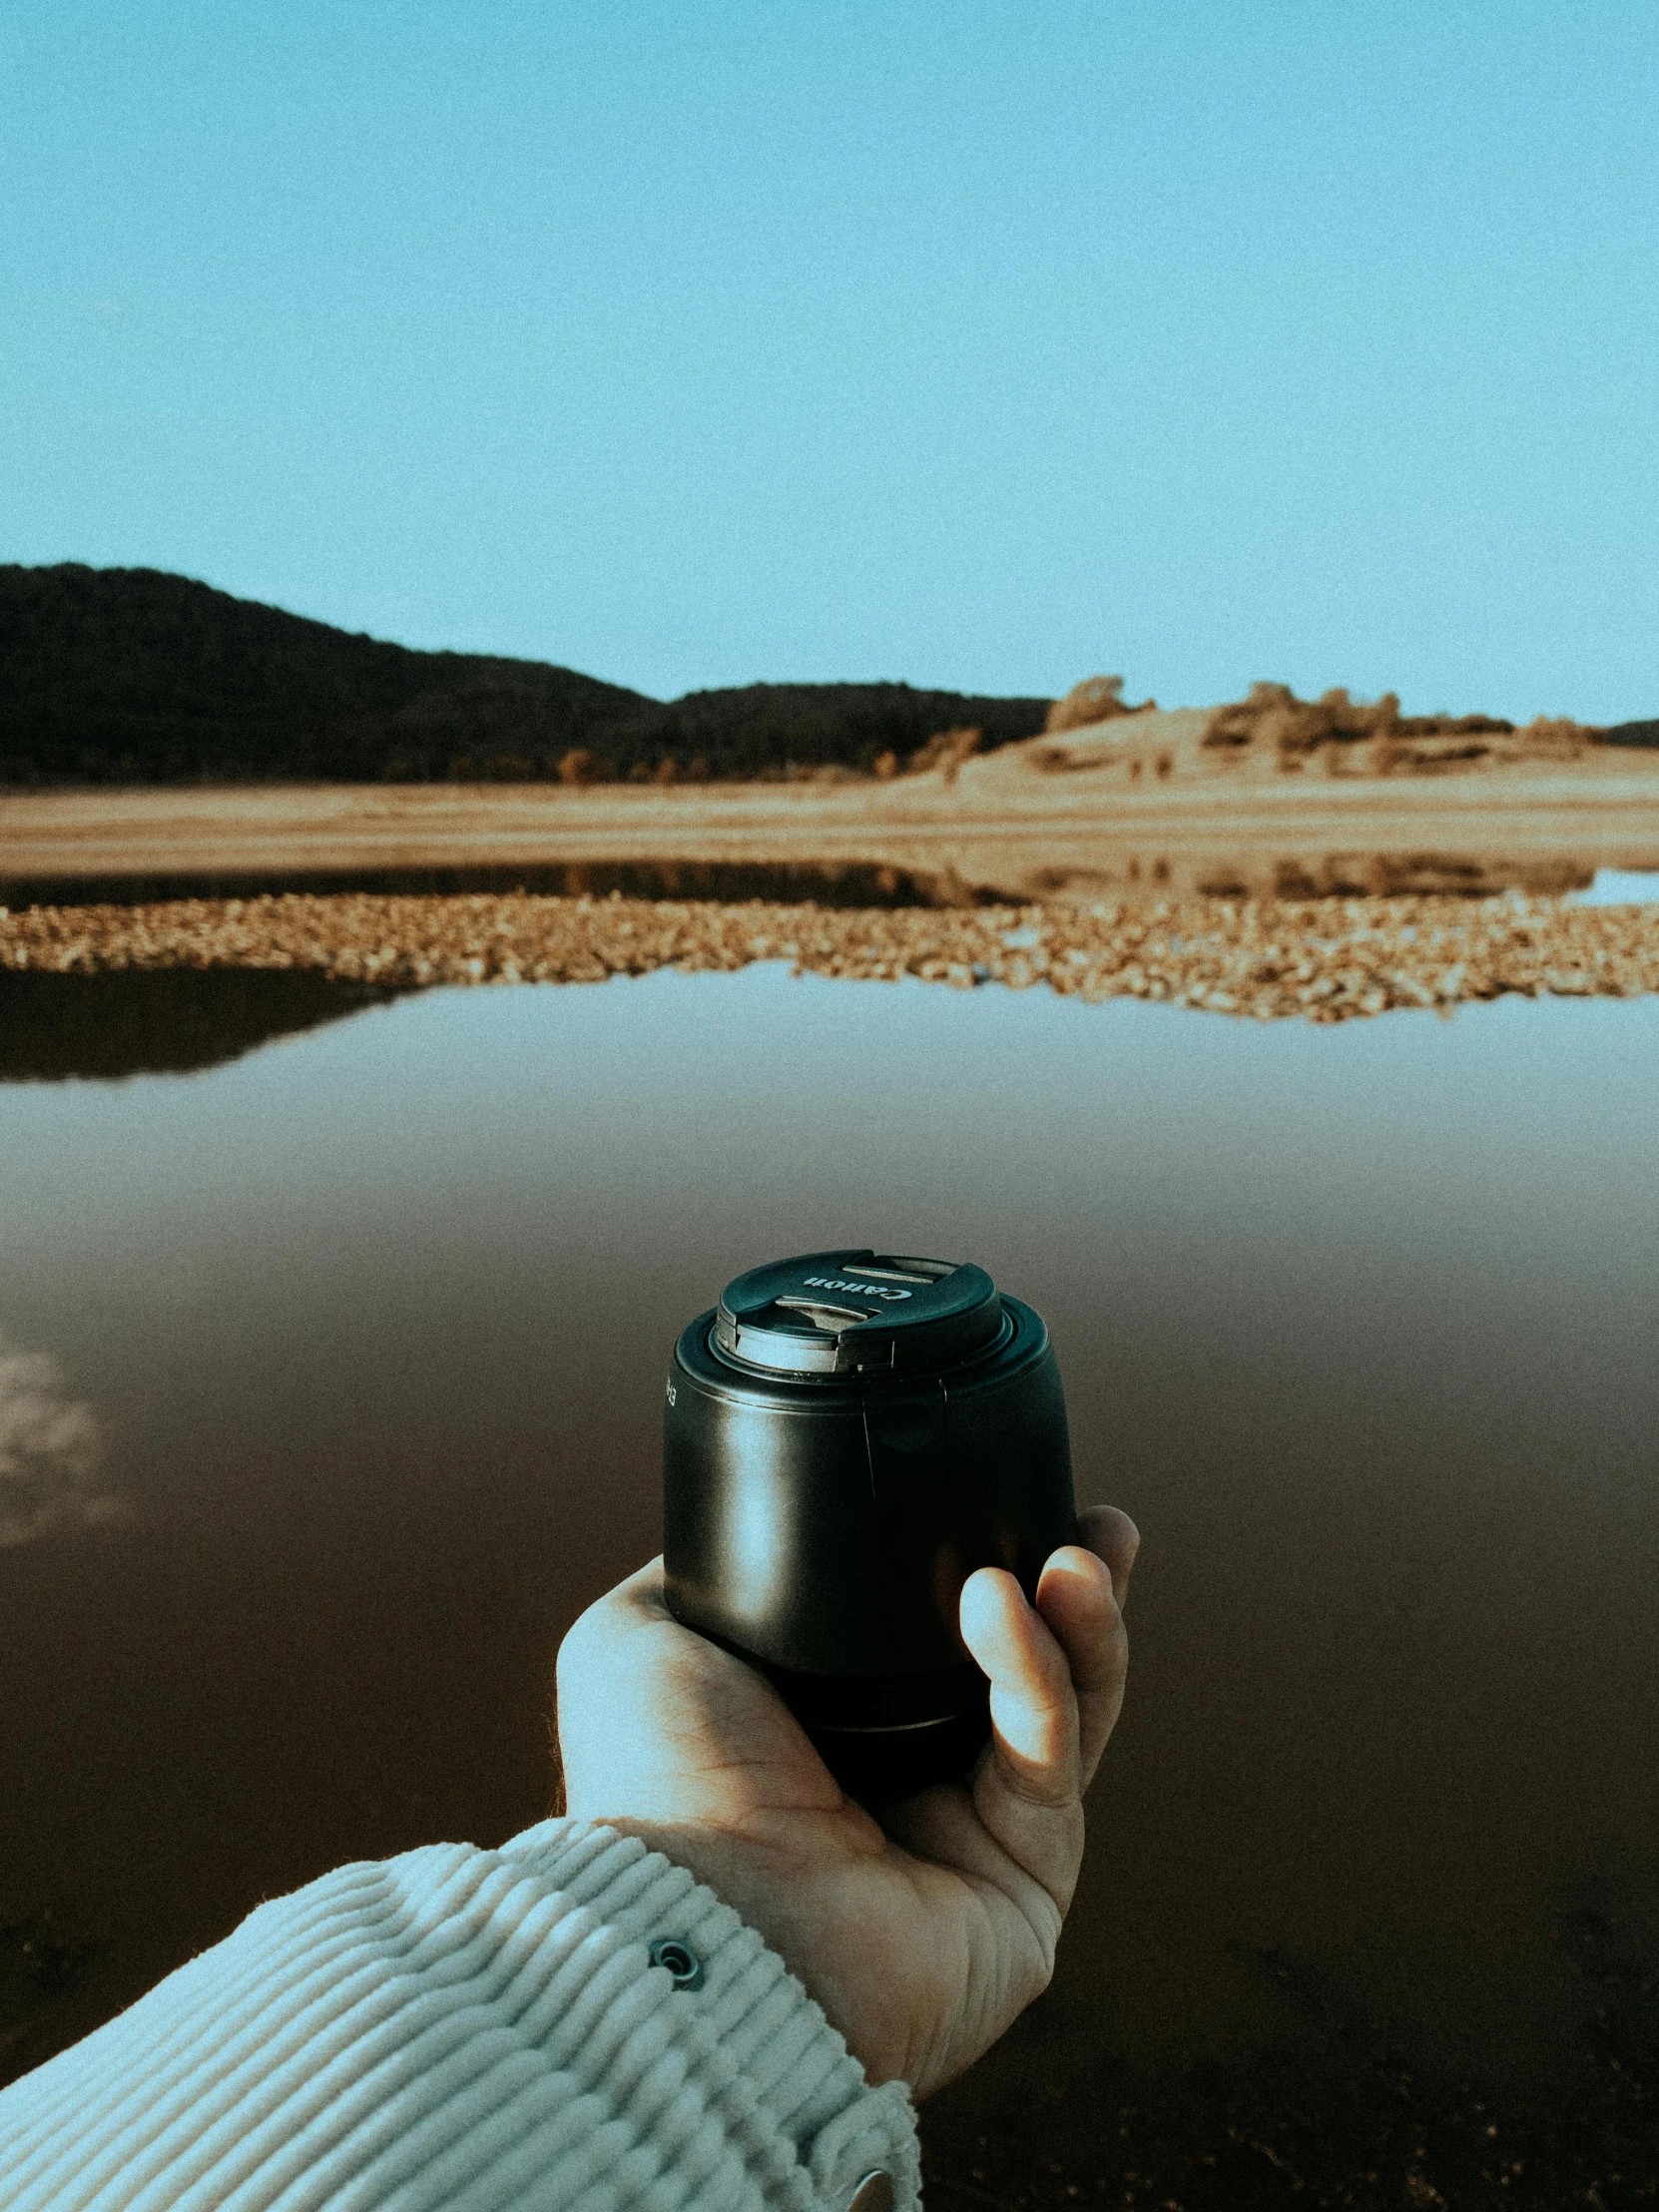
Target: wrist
{"points": [[768, 1889], [687, 1883]]}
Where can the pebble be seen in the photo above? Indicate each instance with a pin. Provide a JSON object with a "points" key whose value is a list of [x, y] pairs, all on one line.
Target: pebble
{"points": [[1326, 960]]}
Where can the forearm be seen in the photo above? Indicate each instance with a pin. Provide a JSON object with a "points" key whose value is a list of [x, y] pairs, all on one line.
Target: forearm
{"points": [[465, 2029]]}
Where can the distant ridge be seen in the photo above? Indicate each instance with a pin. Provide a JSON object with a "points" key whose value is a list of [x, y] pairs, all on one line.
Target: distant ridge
{"points": [[135, 675]]}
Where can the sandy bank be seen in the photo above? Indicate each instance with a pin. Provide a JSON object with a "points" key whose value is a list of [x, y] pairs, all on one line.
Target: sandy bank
{"points": [[1326, 960], [1088, 815]]}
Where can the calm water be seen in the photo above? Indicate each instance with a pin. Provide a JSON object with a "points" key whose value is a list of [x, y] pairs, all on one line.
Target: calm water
{"points": [[1006, 874], [1619, 887], [357, 1344]]}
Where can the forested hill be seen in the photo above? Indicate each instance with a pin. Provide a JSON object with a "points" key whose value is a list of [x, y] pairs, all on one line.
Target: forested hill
{"points": [[132, 676]]}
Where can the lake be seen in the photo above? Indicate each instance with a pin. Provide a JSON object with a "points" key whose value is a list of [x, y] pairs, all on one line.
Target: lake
{"points": [[356, 1347]]}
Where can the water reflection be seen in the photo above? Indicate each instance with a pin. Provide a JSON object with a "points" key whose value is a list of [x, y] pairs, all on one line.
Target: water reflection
{"points": [[158, 1021], [826, 884], [966, 868], [1357, 1322], [1234, 870], [49, 1453]]}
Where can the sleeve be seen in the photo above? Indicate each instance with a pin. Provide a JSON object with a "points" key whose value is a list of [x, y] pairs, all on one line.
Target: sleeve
{"points": [[468, 2031]]}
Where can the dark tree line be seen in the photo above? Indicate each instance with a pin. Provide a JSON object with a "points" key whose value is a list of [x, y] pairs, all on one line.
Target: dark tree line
{"points": [[132, 676]]}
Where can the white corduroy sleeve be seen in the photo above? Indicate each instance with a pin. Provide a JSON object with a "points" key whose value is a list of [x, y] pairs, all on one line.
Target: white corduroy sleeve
{"points": [[465, 2030]]}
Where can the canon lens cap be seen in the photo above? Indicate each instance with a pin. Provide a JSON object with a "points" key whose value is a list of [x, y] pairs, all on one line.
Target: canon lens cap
{"points": [[857, 1312]]}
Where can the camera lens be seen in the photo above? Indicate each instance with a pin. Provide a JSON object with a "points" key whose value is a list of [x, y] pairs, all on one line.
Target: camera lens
{"points": [[846, 1437]]}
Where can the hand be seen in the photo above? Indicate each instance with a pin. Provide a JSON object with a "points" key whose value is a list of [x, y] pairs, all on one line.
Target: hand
{"points": [[922, 1936]]}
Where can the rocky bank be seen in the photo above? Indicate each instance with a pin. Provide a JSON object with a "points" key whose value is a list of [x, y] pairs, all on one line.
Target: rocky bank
{"points": [[1328, 959]]}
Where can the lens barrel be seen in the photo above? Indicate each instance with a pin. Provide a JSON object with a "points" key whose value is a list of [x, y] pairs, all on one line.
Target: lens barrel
{"points": [[846, 1437]]}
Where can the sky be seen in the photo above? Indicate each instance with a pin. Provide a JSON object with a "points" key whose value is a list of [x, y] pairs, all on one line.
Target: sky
{"points": [[973, 344]]}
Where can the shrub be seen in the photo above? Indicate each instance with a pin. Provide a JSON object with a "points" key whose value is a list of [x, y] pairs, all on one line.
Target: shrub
{"points": [[946, 750], [1097, 698]]}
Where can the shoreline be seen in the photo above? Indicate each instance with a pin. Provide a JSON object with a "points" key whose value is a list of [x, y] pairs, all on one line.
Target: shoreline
{"points": [[1329, 959], [1096, 815], [1004, 798]]}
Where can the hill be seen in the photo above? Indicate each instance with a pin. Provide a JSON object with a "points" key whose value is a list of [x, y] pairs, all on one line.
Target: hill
{"points": [[132, 676]]}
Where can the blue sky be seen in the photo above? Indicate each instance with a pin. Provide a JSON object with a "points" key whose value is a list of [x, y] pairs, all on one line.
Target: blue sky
{"points": [[976, 345]]}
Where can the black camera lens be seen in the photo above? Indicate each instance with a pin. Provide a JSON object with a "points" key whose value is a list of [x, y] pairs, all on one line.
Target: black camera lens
{"points": [[846, 1437]]}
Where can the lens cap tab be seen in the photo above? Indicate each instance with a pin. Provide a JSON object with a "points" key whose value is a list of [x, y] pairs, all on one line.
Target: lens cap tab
{"points": [[857, 1312]]}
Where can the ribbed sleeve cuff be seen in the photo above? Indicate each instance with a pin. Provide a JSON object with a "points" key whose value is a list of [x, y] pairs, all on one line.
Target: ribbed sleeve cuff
{"points": [[465, 2030]]}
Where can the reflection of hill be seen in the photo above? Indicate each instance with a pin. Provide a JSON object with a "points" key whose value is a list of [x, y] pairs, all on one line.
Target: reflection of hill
{"points": [[151, 1022], [850, 882]]}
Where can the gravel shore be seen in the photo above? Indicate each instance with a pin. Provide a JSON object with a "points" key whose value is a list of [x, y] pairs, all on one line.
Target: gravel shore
{"points": [[1328, 959]]}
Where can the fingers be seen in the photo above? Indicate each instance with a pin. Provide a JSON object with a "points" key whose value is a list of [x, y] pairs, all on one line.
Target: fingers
{"points": [[1056, 1672], [1077, 1600], [1111, 1536], [1025, 1786], [1033, 1709]]}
